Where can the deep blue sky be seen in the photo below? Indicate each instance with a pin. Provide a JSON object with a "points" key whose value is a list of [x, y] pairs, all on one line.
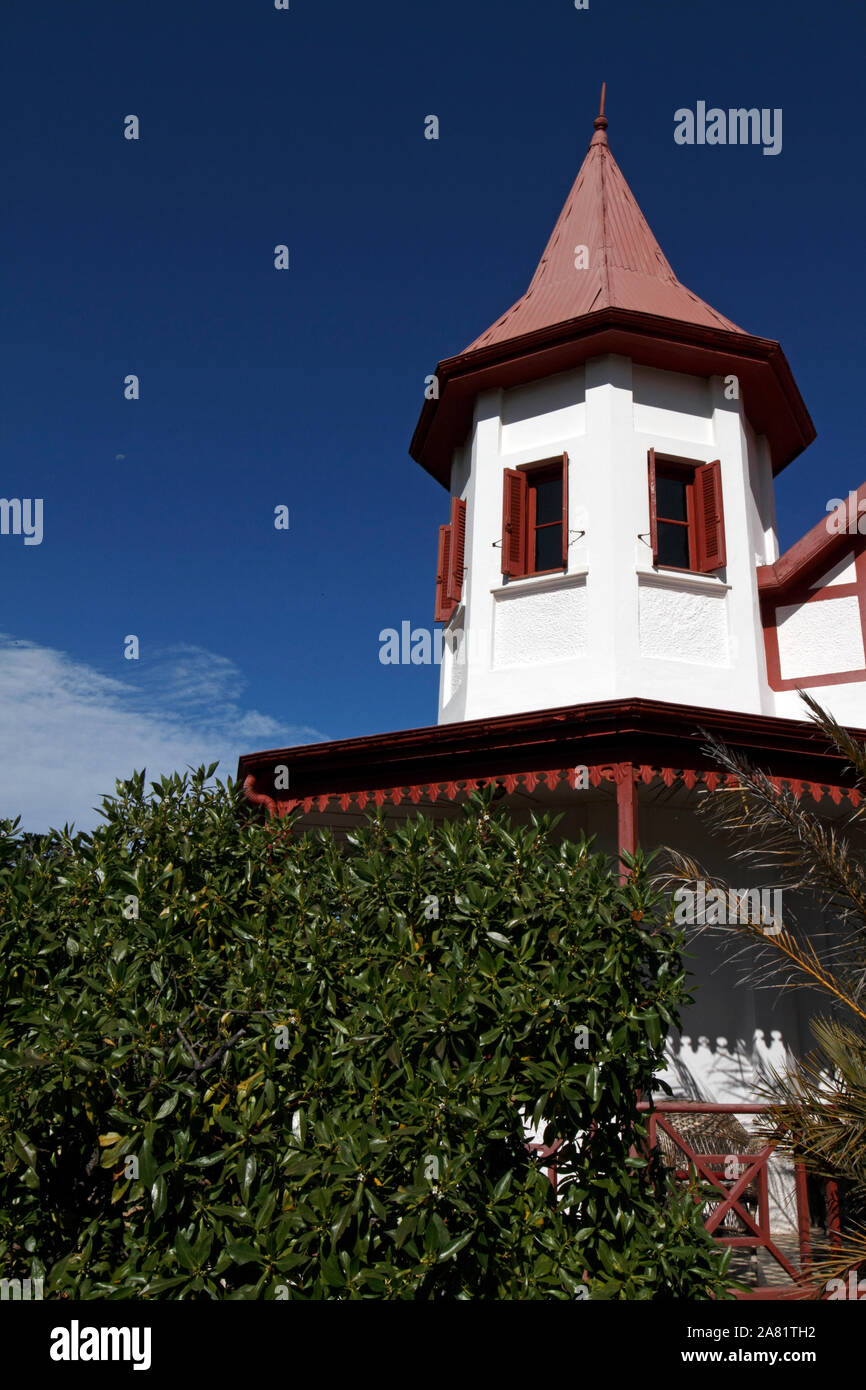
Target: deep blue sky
{"points": [[156, 257]]}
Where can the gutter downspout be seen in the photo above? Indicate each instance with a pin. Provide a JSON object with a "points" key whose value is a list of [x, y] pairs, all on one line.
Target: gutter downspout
{"points": [[259, 798]]}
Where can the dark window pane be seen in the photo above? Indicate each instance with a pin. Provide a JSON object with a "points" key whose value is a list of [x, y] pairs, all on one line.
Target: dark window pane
{"points": [[671, 499], [548, 501], [673, 545], [548, 548]]}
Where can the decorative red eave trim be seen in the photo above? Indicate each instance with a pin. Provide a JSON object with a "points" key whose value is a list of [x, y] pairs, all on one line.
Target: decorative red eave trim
{"points": [[622, 775]]}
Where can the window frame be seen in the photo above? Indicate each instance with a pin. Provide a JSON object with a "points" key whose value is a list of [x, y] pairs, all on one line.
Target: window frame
{"points": [[701, 518], [679, 470], [538, 471]]}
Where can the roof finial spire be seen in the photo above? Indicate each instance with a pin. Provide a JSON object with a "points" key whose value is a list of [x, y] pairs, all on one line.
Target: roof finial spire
{"points": [[600, 122]]}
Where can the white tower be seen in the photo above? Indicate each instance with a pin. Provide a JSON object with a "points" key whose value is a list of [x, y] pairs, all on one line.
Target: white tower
{"points": [[609, 446]]}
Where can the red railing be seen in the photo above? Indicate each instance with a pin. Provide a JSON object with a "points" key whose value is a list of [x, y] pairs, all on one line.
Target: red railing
{"points": [[743, 1197]]}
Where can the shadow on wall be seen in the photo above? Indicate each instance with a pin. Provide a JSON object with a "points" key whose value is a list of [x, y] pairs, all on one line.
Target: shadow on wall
{"points": [[721, 1069]]}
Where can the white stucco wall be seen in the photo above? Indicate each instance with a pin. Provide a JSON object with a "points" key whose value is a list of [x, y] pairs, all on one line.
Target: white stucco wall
{"points": [[817, 639], [846, 702], [683, 621], [611, 627], [541, 624]]}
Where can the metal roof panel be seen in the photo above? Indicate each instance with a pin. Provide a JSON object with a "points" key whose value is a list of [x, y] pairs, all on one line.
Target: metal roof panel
{"points": [[626, 269]]}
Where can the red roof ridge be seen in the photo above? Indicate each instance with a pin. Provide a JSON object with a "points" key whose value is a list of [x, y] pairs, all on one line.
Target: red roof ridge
{"points": [[600, 140]]}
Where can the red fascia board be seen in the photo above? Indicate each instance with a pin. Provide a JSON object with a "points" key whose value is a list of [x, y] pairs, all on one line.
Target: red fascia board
{"points": [[816, 551], [770, 395], [642, 731]]}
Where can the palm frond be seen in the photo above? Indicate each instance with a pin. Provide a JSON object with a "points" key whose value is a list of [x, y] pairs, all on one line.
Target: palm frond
{"points": [[786, 959], [818, 1106], [776, 831], [850, 1254], [837, 734]]}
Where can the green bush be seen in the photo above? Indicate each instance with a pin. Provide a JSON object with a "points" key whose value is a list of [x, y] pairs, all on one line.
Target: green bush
{"points": [[299, 1070]]}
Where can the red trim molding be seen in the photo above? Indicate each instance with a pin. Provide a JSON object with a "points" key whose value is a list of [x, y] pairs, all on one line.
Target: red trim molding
{"points": [[626, 777]]}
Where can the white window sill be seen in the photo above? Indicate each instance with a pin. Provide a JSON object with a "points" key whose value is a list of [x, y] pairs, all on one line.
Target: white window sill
{"points": [[541, 581], [682, 579]]}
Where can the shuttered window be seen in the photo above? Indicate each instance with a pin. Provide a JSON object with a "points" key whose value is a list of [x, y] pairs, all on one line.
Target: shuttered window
{"points": [[710, 517], [454, 585], [687, 529], [535, 518], [514, 522], [444, 605], [450, 561]]}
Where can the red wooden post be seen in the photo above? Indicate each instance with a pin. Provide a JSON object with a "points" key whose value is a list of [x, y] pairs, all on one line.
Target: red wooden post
{"points": [[626, 813], [764, 1203], [833, 1224], [803, 1217]]}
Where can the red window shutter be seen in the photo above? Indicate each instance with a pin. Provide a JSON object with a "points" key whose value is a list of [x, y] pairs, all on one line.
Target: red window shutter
{"points": [[654, 529], [565, 511], [454, 587], [709, 517], [514, 522], [444, 605]]}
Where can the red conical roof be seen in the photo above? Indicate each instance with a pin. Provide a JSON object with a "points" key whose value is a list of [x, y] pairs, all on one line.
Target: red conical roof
{"points": [[626, 266], [626, 301]]}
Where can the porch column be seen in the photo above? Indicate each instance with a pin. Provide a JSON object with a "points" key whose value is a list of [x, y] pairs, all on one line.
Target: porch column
{"points": [[626, 812]]}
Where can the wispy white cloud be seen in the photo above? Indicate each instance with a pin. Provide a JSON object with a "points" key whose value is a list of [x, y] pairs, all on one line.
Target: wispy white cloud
{"points": [[68, 732]]}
